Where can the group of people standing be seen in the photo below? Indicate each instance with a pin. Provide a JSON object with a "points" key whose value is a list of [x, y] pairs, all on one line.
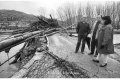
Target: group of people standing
{"points": [[101, 41]]}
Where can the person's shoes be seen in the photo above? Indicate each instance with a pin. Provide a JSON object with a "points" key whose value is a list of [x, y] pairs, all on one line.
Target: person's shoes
{"points": [[82, 52], [70, 35], [95, 55], [90, 53], [97, 61], [103, 65], [76, 52]]}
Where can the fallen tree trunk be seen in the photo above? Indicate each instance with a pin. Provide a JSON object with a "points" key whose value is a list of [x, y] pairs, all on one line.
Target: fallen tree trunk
{"points": [[13, 41], [17, 39]]}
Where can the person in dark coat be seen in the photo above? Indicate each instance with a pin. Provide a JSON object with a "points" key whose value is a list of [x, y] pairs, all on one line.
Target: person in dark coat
{"points": [[94, 39], [83, 29], [105, 41], [96, 27]]}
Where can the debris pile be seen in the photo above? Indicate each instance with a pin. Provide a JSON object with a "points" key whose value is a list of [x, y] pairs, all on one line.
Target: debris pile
{"points": [[51, 66], [43, 23], [48, 67], [28, 50]]}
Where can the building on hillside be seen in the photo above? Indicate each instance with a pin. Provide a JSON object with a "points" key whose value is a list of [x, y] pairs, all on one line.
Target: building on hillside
{"points": [[4, 25], [13, 25]]}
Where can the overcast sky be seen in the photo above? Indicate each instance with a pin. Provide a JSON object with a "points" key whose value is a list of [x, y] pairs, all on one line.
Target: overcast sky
{"points": [[33, 6]]}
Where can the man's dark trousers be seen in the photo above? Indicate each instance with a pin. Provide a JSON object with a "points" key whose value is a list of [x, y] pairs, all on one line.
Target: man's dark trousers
{"points": [[84, 40], [93, 46]]}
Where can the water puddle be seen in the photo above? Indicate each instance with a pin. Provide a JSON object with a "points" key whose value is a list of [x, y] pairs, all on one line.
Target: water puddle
{"points": [[7, 70]]}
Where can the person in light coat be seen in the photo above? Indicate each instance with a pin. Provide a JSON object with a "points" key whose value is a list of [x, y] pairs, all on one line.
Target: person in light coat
{"points": [[94, 35], [105, 41]]}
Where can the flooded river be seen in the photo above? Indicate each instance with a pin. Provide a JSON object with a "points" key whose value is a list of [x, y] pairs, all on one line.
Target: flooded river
{"points": [[116, 38], [7, 70]]}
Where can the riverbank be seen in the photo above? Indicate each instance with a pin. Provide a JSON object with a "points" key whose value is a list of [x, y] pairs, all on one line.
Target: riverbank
{"points": [[47, 65], [27, 51], [61, 62], [56, 59]]}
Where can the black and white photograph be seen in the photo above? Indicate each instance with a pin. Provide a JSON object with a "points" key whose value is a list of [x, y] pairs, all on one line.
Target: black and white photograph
{"points": [[59, 38]]}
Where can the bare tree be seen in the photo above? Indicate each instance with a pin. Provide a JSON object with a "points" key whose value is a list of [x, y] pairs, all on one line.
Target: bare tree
{"points": [[113, 13], [79, 12], [67, 13], [111, 10], [52, 12], [89, 10], [42, 11], [60, 14], [99, 9], [118, 14]]}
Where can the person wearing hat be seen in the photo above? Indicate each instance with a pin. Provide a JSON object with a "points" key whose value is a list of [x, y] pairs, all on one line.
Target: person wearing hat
{"points": [[105, 41]]}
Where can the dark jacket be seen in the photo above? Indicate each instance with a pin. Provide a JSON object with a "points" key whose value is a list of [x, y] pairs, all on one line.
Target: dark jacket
{"points": [[83, 28], [105, 38]]}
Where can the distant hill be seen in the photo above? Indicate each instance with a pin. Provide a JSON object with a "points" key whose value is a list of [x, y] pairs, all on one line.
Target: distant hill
{"points": [[13, 15]]}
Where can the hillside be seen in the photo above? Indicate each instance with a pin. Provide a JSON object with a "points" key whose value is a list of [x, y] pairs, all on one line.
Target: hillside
{"points": [[13, 15]]}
